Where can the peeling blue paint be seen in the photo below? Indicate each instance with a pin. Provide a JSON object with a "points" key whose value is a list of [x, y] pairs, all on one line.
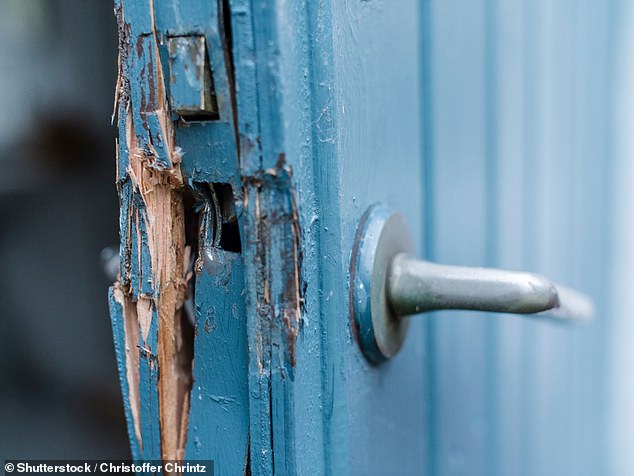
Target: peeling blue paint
{"points": [[218, 414], [118, 334]]}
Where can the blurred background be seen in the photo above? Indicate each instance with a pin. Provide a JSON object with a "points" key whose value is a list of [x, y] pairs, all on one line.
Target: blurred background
{"points": [[59, 390]]}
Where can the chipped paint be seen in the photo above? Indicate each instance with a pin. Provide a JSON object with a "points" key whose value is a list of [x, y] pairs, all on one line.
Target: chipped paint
{"points": [[152, 184], [272, 236], [277, 219], [248, 291], [272, 229], [131, 356]]}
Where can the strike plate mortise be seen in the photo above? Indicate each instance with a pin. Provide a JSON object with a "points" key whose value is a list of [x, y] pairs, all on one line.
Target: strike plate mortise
{"points": [[192, 94]]}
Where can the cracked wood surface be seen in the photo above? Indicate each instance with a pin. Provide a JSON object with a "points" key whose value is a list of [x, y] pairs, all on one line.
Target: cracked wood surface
{"points": [[247, 307], [153, 285]]}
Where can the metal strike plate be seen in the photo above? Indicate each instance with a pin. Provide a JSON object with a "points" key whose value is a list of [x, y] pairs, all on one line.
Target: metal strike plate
{"points": [[192, 93]]}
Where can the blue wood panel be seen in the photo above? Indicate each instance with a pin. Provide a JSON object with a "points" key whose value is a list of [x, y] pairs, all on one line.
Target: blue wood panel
{"points": [[460, 227], [619, 351], [567, 163], [509, 49], [593, 119], [547, 215], [218, 418], [296, 76], [518, 132], [210, 421], [481, 122], [376, 72], [356, 116]]}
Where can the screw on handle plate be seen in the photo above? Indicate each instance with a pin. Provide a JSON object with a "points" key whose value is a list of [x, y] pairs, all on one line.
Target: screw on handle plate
{"points": [[388, 284]]}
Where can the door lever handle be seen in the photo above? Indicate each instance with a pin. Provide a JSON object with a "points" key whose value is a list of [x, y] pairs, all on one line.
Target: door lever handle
{"points": [[415, 286], [388, 284]]}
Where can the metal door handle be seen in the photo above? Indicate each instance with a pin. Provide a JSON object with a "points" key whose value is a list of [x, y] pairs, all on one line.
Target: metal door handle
{"points": [[415, 286], [388, 284]]}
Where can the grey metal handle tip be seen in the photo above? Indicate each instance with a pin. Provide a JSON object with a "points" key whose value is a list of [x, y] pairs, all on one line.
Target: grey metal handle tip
{"points": [[415, 286]]}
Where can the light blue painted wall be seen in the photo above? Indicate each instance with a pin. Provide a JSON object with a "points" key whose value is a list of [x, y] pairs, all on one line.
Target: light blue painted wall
{"points": [[520, 117], [620, 352]]}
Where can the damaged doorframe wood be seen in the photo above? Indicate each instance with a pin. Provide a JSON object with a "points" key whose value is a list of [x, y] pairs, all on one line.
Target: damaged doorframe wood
{"points": [[153, 283], [222, 188]]}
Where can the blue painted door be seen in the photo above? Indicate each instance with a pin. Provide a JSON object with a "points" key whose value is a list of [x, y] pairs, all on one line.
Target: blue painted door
{"points": [[253, 137]]}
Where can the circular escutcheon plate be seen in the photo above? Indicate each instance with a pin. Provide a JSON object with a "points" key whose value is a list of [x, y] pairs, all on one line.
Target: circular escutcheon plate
{"points": [[381, 235]]}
